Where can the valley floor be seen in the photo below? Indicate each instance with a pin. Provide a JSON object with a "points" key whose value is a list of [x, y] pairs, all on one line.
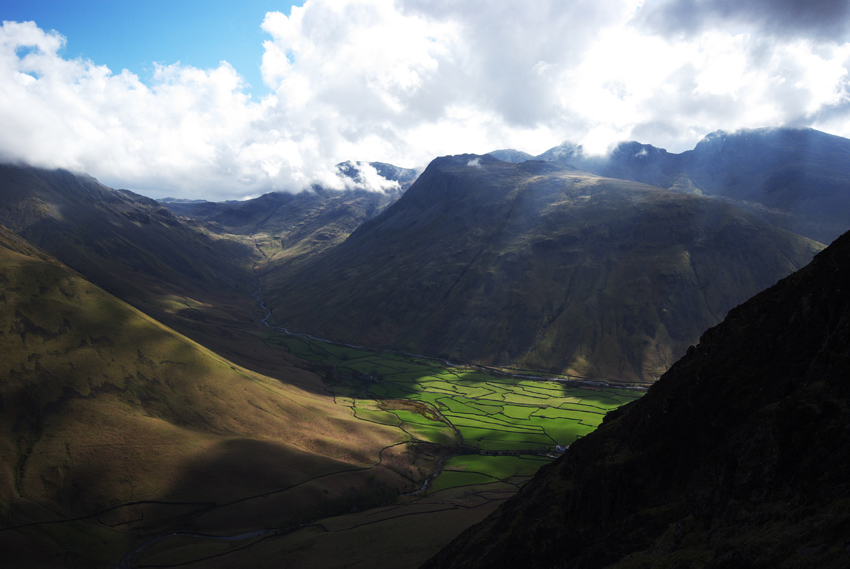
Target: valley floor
{"points": [[470, 440]]}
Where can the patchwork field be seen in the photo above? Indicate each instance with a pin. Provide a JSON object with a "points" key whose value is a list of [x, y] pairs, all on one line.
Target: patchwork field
{"points": [[501, 427]]}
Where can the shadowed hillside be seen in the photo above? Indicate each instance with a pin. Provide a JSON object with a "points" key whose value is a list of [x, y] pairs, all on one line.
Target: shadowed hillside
{"points": [[288, 228], [540, 266], [128, 244], [737, 457]]}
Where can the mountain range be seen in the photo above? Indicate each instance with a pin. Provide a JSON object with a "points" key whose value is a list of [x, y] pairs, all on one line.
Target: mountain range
{"points": [[287, 228], [794, 178]]}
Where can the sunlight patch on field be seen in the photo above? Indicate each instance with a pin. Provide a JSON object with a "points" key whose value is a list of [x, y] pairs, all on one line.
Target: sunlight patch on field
{"points": [[500, 416]]}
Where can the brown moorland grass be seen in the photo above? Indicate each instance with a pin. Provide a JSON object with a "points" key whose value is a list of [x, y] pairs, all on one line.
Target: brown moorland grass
{"points": [[106, 414], [392, 537]]}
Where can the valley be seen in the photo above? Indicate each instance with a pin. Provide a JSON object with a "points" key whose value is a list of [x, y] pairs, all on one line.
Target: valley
{"points": [[406, 284], [476, 440], [459, 405], [128, 440], [341, 378], [734, 458]]}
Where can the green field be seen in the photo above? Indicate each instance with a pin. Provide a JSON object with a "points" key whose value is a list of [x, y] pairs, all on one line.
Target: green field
{"points": [[465, 470], [497, 417]]}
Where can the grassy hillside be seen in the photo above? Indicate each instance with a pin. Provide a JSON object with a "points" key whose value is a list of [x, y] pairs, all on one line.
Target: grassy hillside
{"points": [[489, 433], [538, 266], [121, 439], [114, 427]]}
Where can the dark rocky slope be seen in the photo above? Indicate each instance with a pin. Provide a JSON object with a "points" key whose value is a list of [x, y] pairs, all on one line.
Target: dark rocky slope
{"points": [[537, 265], [287, 228], [737, 457]]}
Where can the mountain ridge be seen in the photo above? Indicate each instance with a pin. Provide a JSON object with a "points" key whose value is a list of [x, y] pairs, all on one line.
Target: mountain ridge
{"points": [[794, 178], [127, 243], [288, 228], [590, 276]]}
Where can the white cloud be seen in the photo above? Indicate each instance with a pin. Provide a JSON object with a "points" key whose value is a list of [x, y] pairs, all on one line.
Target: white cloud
{"points": [[363, 176], [405, 81], [183, 131]]}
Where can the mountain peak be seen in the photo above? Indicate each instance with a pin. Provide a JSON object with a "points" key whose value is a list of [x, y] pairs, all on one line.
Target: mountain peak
{"points": [[563, 152], [497, 263], [511, 155]]}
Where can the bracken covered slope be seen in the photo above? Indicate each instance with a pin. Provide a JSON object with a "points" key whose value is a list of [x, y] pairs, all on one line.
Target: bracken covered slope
{"points": [[736, 457], [115, 429]]}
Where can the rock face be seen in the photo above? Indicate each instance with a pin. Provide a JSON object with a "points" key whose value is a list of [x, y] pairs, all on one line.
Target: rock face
{"points": [[537, 265], [736, 457]]}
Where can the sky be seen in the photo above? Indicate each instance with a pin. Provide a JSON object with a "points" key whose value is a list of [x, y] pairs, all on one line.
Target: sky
{"points": [[220, 99]]}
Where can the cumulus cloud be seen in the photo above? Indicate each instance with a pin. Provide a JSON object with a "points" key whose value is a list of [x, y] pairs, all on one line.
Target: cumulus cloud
{"points": [[405, 81], [179, 132], [362, 176]]}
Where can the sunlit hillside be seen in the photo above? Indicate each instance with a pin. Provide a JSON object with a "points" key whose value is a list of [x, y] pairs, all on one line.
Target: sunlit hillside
{"points": [[114, 427]]}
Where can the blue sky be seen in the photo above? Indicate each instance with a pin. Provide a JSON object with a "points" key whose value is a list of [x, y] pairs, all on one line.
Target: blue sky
{"points": [[133, 34], [153, 96]]}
